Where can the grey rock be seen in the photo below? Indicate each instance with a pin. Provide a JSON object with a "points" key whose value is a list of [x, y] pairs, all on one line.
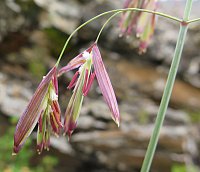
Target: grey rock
{"points": [[62, 145], [131, 145], [138, 83], [89, 123], [98, 109], [14, 95], [64, 15], [10, 18], [192, 75]]}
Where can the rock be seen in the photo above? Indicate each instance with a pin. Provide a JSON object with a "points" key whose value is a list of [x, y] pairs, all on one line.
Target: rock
{"points": [[31, 34], [14, 95], [192, 74], [62, 145], [146, 112], [131, 145], [98, 109], [151, 81], [63, 15], [89, 123], [11, 20]]}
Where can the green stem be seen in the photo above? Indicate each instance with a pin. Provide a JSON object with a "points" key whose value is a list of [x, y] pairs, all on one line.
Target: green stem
{"points": [[110, 18], [194, 20], [109, 12], [168, 90], [187, 11]]}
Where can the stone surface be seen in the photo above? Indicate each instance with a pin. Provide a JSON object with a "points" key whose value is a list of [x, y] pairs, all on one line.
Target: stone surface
{"points": [[14, 95], [64, 15], [31, 33], [125, 148], [10, 18]]}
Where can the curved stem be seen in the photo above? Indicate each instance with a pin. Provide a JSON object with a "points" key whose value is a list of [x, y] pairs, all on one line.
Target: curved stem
{"points": [[194, 20], [113, 11], [104, 25], [168, 90]]}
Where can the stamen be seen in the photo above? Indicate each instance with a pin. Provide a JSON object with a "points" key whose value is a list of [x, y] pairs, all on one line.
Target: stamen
{"points": [[56, 106], [55, 83], [40, 122], [87, 89], [40, 148], [70, 129], [85, 81], [56, 116], [53, 125], [73, 81]]}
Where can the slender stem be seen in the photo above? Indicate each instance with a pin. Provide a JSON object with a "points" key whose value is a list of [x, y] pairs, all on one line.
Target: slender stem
{"points": [[107, 21], [187, 11], [109, 12], [164, 102], [194, 20], [167, 91]]}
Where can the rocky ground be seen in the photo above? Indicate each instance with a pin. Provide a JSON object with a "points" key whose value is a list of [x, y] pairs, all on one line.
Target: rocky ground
{"points": [[32, 34]]}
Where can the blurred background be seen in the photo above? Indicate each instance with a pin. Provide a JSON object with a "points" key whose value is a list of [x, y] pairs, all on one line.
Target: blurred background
{"points": [[32, 33]]}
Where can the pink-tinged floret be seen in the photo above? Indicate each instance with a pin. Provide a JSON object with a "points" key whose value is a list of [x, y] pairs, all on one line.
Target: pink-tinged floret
{"points": [[105, 84], [44, 97], [82, 82]]}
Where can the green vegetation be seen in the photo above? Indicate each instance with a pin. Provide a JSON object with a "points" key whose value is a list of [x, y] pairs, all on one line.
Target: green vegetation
{"points": [[56, 39], [21, 162], [143, 117], [9, 162], [184, 168], [194, 116], [37, 68]]}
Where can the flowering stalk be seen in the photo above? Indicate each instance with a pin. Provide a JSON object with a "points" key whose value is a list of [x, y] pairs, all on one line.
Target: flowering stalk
{"points": [[193, 20], [43, 109], [75, 104], [104, 25], [78, 61], [142, 23], [91, 66], [110, 12]]}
